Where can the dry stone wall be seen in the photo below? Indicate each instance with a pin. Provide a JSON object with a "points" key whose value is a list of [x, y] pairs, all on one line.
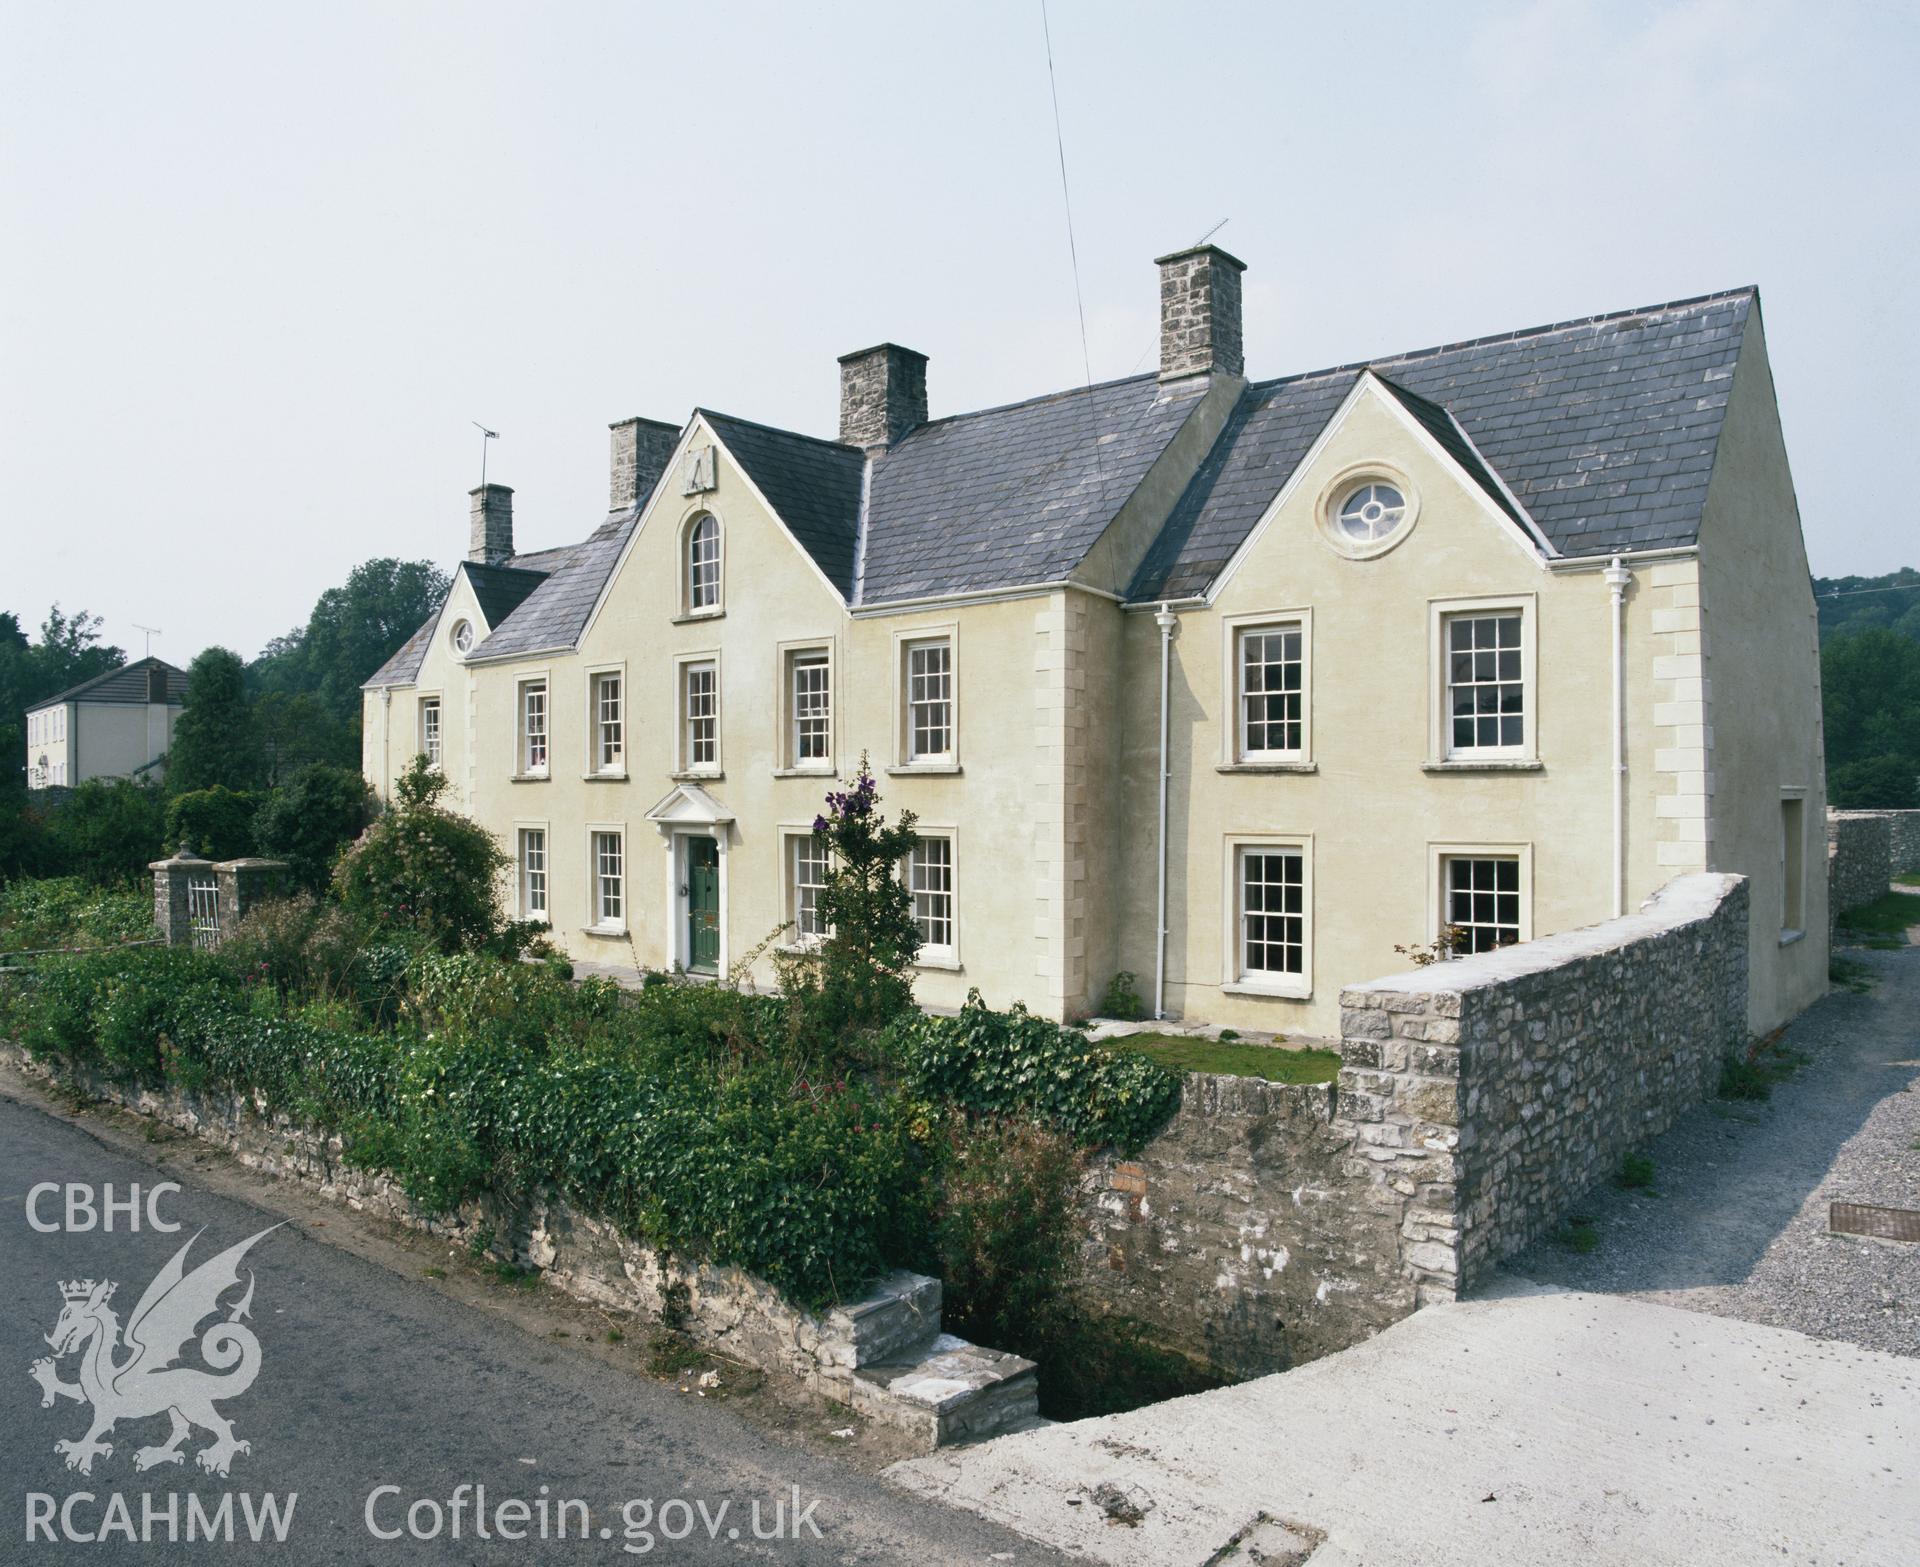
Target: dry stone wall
{"points": [[1904, 829], [1490, 1092], [1859, 859]]}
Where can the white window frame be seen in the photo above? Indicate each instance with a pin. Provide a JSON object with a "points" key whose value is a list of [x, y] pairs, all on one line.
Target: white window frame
{"points": [[597, 918], [689, 608], [793, 837], [525, 871], [616, 767], [940, 955], [1438, 854], [1235, 754], [684, 667], [430, 739], [795, 656], [905, 645], [524, 692], [1441, 751], [1235, 978]]}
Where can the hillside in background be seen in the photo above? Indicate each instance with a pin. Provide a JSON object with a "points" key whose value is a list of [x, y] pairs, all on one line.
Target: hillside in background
{"points": [[1870, 688]]}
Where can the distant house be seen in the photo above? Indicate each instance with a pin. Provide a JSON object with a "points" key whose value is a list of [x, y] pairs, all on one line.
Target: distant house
{"points": [[116, 725]]}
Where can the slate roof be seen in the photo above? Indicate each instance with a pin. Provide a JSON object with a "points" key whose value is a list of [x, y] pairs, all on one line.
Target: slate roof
{"points": [[1604, 428], [556, 612], [1013, 495], [500, 590], [125, 685], [812, 485]]}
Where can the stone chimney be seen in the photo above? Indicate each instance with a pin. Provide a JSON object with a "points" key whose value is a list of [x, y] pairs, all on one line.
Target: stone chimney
{"points": [[491, 541], [883, 394], [642, 448], [1200, 313]]}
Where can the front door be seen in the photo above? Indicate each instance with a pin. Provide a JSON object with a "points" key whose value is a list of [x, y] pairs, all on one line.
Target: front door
{"points": [[703, 905]]}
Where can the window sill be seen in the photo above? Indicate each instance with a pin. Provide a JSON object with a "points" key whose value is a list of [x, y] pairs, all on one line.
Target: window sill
{"points": [[1276, 992], [529, 778], [604, 777], [1267, 767], [817, 770], [698, 614], [1789, 937], [698, 775], [946, 965], [1490, 764], [932, 769], [800, 949], [605, 932]]}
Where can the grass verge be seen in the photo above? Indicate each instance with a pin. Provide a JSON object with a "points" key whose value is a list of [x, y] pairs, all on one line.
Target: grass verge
{"points": [[1845, 973], [1274, 1063], [1886, 918]]}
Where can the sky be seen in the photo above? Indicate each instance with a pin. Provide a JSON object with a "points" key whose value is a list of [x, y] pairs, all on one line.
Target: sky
{"points": [[261, 266]]}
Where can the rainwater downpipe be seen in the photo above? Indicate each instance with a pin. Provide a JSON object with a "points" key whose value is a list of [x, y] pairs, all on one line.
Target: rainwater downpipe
{"points": [[1617, 578], [1165, 621]]}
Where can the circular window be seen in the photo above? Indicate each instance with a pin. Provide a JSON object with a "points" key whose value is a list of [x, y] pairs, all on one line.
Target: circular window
{"points": [[463, 636], [1371, 512]]}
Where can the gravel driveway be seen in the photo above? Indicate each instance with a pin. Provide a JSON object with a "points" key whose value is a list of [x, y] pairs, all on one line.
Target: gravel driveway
{"points": [[1736, 1222]]}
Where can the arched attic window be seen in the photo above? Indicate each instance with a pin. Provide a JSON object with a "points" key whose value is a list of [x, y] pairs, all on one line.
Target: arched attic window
{"points": [[703, 564]]}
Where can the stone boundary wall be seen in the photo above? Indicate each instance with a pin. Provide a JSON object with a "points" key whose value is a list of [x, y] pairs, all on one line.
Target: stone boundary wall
{"points": [[853, 1353], [1237, 1235], [1905, 827], [1488, 1093], [1859, 859]]}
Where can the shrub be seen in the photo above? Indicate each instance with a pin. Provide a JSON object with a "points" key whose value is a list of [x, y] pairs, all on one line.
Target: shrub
{"points": [[64, 911], [1005, 1230], [1014, 1064], [425, 869], [108, 833], [216, 822], [311, 818], [1122, 998]]}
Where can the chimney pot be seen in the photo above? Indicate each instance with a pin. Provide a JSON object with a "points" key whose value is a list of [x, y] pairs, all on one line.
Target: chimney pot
{"points": [[1200, 313], [883, 394], [491, 540], [642, 448]]}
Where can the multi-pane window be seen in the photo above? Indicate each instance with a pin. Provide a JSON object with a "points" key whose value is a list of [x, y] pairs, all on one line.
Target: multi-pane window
{"points": [[1273, 913], [703, 564], [1271, 691], [533, 727], [700, 703], [930, 880], [609, 879], [929, 701], [609, 725], [533, 873], [1486, 683], [1482, 902], [430, 729], [812, 708], [809, 868]]}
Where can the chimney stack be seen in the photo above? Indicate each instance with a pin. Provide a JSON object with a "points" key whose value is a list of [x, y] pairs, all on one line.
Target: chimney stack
{"points": [[883, 394], [642, 448], [491, 540], [1200, 313]]}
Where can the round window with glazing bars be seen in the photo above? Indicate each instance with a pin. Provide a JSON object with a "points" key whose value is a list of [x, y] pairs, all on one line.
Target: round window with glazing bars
{"points": [[1371, 512]]}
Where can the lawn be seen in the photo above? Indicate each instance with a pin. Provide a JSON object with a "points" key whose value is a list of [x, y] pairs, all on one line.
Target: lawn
{"points": [[1888, 916], [1275, 1063]]}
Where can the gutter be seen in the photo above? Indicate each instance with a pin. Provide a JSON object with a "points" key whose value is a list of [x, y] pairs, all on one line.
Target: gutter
{"points": [[1617, 578]]}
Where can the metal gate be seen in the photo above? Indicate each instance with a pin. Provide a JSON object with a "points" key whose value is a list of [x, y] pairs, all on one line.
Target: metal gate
{"points": [[203, 911]]}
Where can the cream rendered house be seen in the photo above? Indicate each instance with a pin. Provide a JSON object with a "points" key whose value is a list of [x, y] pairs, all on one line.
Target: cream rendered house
{"points": [[116, 725], [1236, 685]]}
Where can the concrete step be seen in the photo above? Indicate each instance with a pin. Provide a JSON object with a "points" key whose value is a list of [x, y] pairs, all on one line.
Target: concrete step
{"points": [[947, 1391], [901, 1312]]}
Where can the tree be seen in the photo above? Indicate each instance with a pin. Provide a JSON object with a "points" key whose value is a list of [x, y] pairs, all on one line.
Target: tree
{"points": [[1870, 691], [216, 822], [69, 652], [214, 741], [298, 731], [424, 868], [353, 630], [310, 818], [861, 976], [107, 831]]}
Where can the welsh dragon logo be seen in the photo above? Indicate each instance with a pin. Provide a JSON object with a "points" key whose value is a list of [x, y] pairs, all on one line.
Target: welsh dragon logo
{"points": [[146, 1382]]}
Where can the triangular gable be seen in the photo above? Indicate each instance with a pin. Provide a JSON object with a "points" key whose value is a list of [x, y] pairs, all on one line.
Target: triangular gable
{"points": [[688, 805], [1506, 512]]}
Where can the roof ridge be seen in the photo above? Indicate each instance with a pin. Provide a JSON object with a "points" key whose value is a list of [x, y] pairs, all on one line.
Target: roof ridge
{"points": [[105, 675], [775, 429], [1751, 289], [1034, 402]]}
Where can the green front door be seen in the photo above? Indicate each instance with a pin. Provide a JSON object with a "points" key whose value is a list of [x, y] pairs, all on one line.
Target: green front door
{"points": [[703, 904]]}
